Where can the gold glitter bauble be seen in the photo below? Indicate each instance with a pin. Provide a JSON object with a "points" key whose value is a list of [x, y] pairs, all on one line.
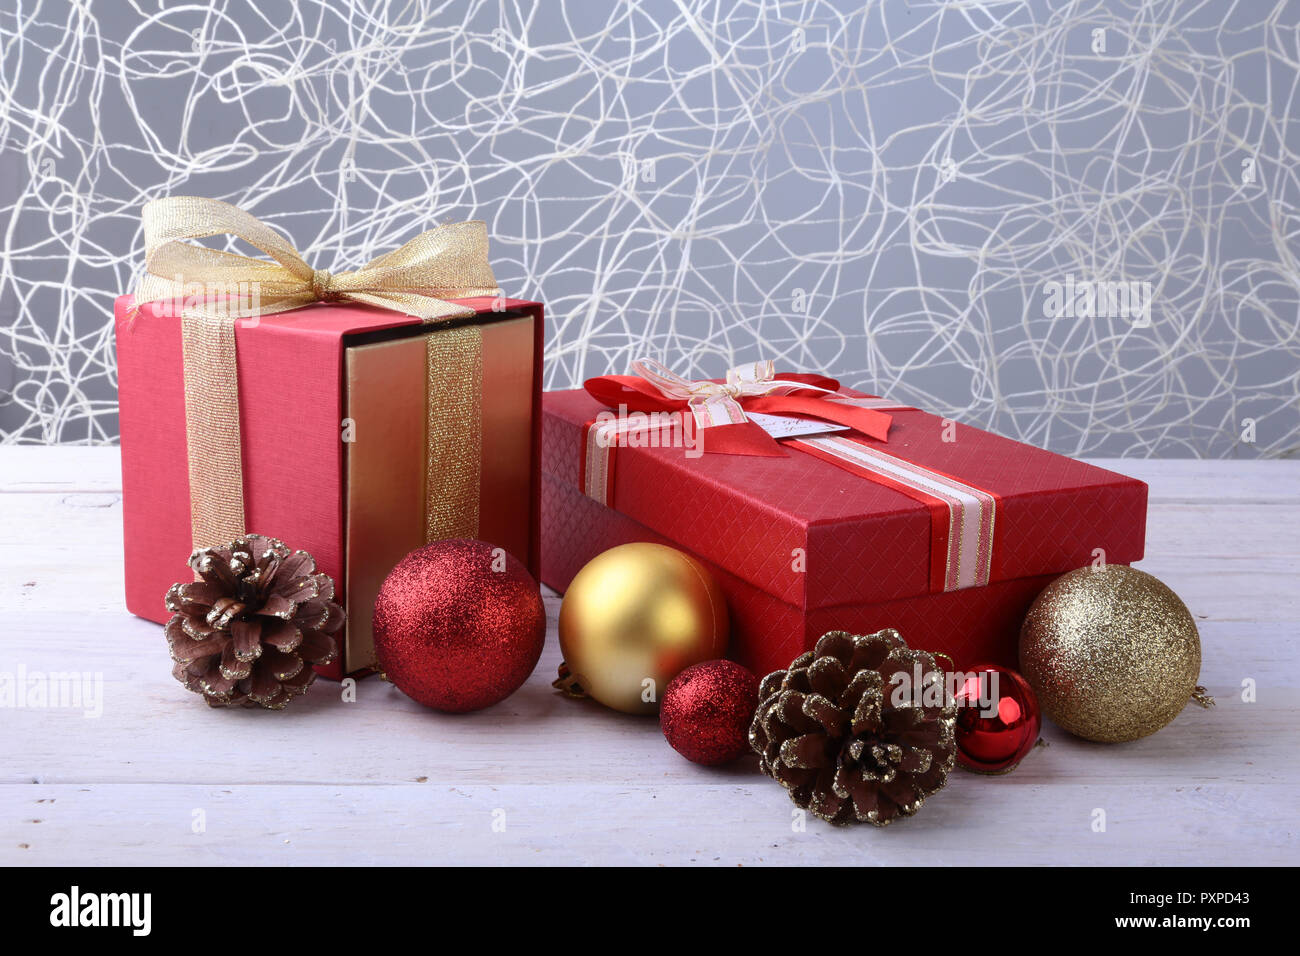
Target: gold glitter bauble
{"points": [[1111, 652], [634, 614]]}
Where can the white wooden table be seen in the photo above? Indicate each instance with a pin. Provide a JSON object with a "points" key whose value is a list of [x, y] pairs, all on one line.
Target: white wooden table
{"points": [[161, 778]]}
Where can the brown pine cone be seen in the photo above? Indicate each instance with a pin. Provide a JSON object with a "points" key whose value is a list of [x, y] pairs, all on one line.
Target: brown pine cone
{"points": [[248, 631], [829, 731]]}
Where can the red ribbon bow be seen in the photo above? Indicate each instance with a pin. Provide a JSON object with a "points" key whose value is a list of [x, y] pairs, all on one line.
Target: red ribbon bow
{"points": [[719, 407]]}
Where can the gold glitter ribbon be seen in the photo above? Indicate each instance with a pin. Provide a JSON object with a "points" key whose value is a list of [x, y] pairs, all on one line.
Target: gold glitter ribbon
{"points": [[218, 288], [454, 434], [212, 430]]}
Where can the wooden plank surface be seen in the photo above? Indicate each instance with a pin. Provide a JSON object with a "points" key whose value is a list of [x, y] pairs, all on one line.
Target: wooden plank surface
{"points": [[160, 778]]}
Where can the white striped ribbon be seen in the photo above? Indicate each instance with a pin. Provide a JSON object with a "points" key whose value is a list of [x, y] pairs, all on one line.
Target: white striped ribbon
{"points": [[603, 436], [971, 511]]}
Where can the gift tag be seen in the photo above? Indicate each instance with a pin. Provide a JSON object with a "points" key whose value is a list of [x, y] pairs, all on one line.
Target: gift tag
{"points": [[778, 426]]}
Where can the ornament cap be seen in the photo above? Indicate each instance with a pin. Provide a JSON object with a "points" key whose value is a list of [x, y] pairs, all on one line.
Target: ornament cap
{"points": [[569, 683], [1202, 696]]}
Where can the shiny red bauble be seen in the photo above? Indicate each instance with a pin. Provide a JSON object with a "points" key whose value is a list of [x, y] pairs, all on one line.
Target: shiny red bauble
{"points": [[997, 719], [459, 625], [707, 710]]}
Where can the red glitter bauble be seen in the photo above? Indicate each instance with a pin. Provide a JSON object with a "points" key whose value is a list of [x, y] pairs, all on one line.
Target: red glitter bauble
{"points": [[459, 625], [997, 719], [707, 710]]}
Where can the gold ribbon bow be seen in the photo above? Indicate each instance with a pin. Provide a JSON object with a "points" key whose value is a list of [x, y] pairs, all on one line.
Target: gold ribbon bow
{"points": [[449, 262], [218, 288]]}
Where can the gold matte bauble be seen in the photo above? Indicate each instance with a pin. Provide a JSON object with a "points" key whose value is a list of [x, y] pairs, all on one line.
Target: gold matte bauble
{"points": [[1111, 652], [633, 618]]}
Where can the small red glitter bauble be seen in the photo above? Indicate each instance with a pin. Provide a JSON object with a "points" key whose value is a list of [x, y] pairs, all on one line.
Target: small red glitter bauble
{"points": [[707, 710], [459, 625], [998, 719]]}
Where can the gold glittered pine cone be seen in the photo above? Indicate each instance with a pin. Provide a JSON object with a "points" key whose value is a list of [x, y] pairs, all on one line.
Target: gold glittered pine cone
{"points": [[248, 631], [834, 730]]}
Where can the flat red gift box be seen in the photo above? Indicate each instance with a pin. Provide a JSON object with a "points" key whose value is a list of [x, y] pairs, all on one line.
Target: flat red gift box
{"points": [[292, 401], [802, 546]]}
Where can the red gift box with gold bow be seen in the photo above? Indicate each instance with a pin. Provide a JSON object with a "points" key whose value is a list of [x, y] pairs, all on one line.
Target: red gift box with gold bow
{"points": [[354, 415], [895, 518]]}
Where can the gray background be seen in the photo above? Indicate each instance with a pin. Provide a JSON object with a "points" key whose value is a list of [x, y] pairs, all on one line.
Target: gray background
{"points": [[876, 190]]}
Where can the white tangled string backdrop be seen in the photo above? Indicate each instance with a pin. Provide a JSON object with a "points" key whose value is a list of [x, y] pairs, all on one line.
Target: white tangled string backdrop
{"points": [[1075, 223]]}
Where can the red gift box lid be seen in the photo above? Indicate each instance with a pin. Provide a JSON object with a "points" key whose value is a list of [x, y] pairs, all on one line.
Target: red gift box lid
{"points": [[815, 535]]}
